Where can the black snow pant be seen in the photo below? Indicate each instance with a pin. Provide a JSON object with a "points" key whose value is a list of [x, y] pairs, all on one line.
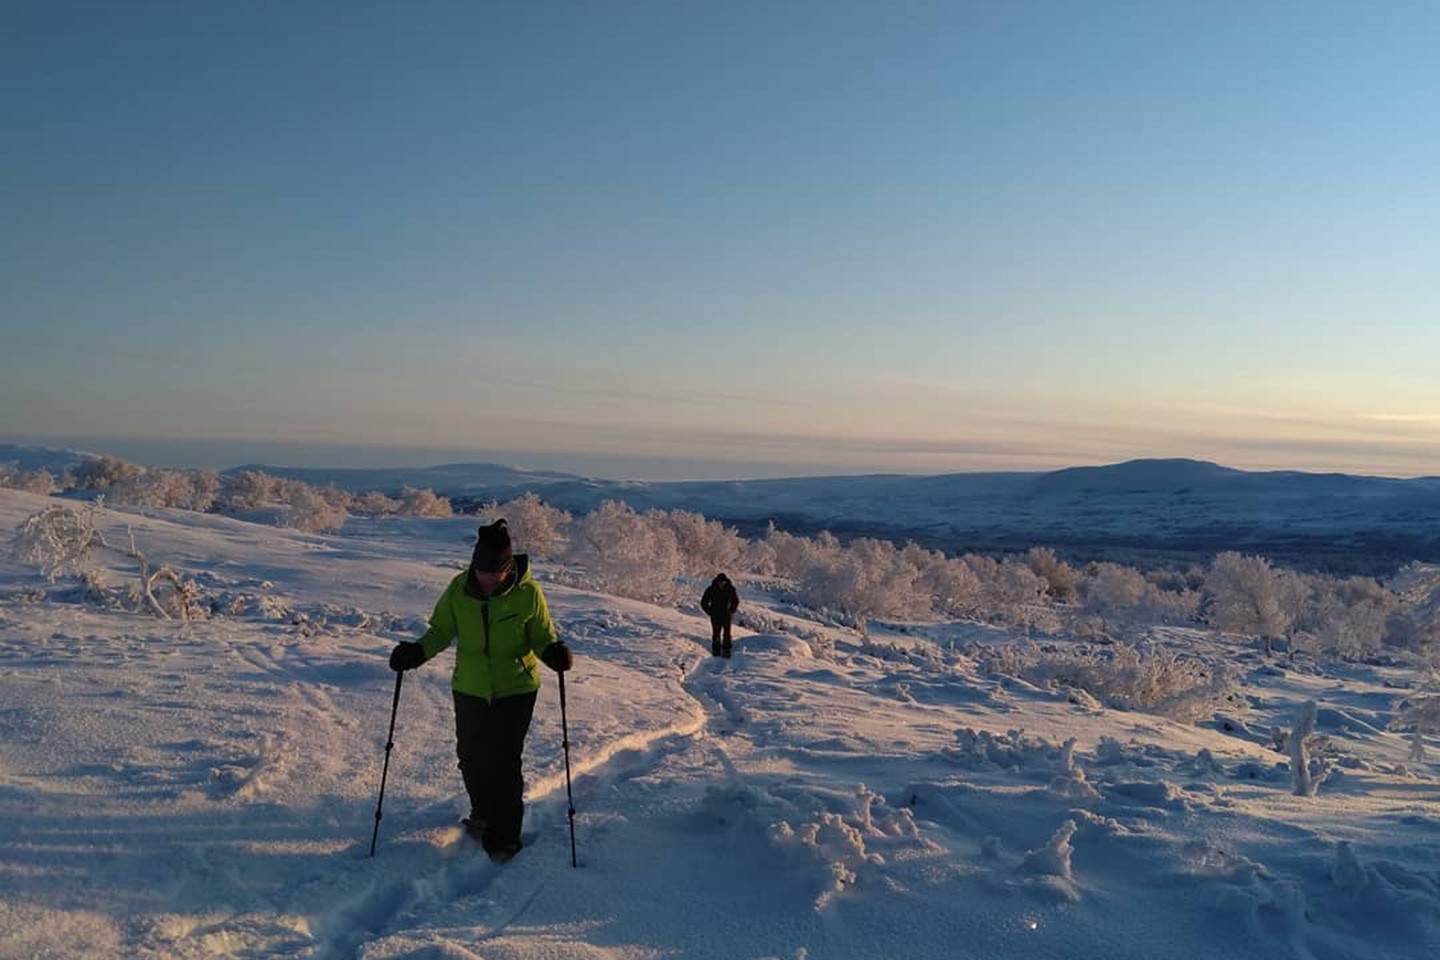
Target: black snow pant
{"points": [[719, 628], [489, 738]]}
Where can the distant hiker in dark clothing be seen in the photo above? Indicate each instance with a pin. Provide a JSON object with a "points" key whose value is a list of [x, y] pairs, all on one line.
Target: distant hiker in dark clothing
{"points": [[720, 602], [498, 615]]}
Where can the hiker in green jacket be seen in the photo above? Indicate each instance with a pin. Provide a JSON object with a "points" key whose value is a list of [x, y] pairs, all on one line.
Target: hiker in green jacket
{"points": [[497, 615]]}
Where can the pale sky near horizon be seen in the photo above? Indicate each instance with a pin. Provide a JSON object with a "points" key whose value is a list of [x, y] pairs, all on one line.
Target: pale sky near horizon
{"points": [[831, 236]]}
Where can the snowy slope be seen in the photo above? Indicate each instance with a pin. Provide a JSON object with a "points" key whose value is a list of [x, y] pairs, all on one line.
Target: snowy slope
{"points": [[202, 790]]}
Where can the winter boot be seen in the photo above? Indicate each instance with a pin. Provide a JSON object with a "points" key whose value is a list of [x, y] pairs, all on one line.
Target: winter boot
{"points": [[505, 852], [715, 649], [725, 650], [474, 826]]}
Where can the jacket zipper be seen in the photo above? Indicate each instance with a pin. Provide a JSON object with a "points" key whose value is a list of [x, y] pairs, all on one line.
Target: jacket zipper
{"points": [[485, 624]]}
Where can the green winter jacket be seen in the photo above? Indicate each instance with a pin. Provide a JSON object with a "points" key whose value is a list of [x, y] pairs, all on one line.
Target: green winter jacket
{"points": [[499, 637]]}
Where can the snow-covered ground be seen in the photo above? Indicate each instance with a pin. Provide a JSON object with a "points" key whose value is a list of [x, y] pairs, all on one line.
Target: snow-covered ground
{"points": [[208, 789]]}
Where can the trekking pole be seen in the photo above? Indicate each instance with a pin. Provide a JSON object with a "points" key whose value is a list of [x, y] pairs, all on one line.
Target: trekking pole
{"points": [[389, 742], [565, 745]]}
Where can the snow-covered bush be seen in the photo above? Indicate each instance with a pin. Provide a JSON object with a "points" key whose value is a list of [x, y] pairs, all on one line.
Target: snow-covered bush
{"points": [[59, 540], [627, 554], [373, 503], [951, 585], [101, 473], [1062, 583], [869, 579], [706, 546], [417, 502], [1343, 618], [63, 541], [535, 526], [180, 489], [308, 510], [248, 490], [1122, 676], [1415, 624], [1246, 595], [41, 482], [1121, 601], [790, 555]]}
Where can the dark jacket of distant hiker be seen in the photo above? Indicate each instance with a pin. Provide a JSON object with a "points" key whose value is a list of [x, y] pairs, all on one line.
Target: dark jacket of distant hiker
{"points": [[496, 615], [720, 601]]}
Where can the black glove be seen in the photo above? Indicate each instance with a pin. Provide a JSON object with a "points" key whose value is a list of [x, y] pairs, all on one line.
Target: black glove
{"points": [[557, 657], [406, 656]]}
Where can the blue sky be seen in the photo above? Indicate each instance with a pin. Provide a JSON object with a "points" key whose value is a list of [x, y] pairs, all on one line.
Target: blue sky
{"points": [[729, 238]]}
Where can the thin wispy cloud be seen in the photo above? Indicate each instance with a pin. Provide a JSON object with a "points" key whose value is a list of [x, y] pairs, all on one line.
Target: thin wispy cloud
{"points": [[1426, 418]]}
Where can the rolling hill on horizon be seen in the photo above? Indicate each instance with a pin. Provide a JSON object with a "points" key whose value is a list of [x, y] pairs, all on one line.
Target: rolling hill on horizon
{"points": [[1147, 512]]}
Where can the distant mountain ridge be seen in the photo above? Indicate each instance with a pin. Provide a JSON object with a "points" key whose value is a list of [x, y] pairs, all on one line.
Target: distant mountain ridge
{"points": [[443, 478], [1144, 512]]}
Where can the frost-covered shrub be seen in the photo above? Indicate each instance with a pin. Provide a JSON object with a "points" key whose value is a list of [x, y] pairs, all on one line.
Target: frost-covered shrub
{"points": [[1126, 603], [626, 553], [1344, 618], [1121, 676], [706, 546], [41, 482], [373, 503], [59, 540], [1246, 595], [249, 490], [416, 502], [950, 583], [791, 555], [308, 510], [100, 473], [1415, 624], [179, 489], [1062, 583], [869, 579], [535, 526]]}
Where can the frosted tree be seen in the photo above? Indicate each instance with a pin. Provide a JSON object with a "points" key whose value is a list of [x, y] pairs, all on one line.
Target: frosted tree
{"points": [[868, 579], [535, 526], [792, 554], [374, 503], [1117, 598], [627, 554], [249, 490], [40, 482], [1415, 624], [1247, 596], [706, 546], [59, 540], [417, 502], [1346, 618], [953, 585], [178, 489], [63, 541], [100, 473], [1062, 583], [308, 510]]}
